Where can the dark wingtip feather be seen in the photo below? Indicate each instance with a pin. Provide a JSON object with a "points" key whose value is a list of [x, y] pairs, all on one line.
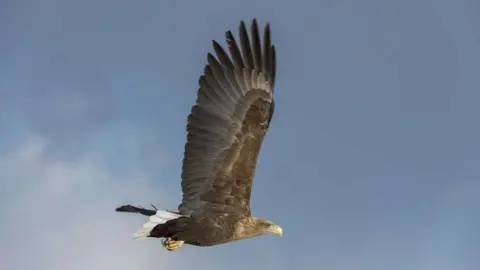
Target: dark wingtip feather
{"points": [[245, 44], [256, 45], [234, 50], [210, 58], [266, 67], [222, 55]]}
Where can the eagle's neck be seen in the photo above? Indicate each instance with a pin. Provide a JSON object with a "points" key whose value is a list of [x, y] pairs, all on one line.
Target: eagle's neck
{"points": [[247, 228]]}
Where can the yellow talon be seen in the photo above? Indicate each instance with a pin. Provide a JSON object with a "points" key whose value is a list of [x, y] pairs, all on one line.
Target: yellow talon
{"points": [[171, 244]]}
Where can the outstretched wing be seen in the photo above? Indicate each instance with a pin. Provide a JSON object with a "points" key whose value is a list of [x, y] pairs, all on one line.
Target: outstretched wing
{"points": [[227, 125]]}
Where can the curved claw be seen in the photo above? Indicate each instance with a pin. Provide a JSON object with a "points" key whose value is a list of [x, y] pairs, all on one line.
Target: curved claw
{"points": [[171, 244], [165, 243]]}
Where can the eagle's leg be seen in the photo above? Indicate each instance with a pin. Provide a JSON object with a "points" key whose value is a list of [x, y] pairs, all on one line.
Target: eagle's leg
{"points": [[170, 244]]}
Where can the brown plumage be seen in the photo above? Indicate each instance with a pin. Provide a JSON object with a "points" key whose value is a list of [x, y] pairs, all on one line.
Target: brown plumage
{"points": [[226, 128]]}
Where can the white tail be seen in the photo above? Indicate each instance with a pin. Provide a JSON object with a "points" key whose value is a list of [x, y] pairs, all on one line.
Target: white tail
{"points": [[160, 217]]}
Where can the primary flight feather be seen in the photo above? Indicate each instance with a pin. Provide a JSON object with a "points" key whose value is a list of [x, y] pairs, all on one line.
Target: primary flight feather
{"points": [[225, 131]]}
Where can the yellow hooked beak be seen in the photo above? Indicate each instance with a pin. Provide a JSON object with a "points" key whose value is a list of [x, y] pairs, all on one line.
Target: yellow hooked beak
{"points": [[278, 230]]}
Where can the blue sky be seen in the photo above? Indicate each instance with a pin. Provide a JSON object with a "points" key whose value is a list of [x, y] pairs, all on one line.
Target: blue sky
{"points": [[371, 161]]}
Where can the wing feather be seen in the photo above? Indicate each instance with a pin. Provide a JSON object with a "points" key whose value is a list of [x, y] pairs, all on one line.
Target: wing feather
{"points": [[226, 126], [246, 50]]}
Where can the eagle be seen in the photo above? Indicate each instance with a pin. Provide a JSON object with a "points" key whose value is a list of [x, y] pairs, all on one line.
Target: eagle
{"points": [[225, 131]]}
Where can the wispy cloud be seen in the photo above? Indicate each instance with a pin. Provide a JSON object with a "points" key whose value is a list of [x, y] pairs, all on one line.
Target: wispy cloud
{"points": [[59, 215]]}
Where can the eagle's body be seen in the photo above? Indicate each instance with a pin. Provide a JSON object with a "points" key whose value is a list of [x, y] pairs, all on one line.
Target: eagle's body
{"points": [[225, 128]]}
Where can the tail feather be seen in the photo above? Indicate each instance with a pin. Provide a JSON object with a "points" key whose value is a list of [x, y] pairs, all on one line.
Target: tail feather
{"points": [[156, 217], [160, 217]]}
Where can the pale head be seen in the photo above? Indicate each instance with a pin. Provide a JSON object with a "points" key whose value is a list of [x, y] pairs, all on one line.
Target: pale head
{"points": [[267, 227]]}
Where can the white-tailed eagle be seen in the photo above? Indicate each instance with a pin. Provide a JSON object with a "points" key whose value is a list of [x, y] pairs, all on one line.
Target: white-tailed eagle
{"points": [[225, 131]]}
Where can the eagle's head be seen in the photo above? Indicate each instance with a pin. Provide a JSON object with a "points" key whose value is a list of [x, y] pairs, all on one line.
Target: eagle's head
{"points": [[268, 227]]}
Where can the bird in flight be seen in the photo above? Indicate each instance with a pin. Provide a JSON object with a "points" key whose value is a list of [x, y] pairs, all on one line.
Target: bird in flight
{"points": [[225, 131]]}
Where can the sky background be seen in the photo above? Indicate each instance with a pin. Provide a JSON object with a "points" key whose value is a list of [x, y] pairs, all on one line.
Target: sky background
{"points": [[371, 162]]}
